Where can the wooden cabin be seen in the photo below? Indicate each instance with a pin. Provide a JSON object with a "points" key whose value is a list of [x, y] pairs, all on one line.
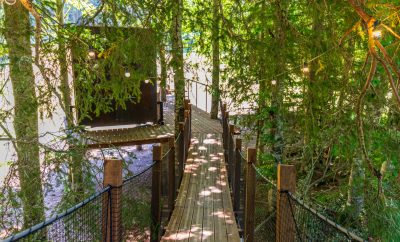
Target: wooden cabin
{"points": [[115, 77]]}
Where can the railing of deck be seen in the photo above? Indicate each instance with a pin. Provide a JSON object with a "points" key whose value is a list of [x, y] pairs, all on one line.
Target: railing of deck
{"points": [[123, 207], [198, 94], [285, 217]]}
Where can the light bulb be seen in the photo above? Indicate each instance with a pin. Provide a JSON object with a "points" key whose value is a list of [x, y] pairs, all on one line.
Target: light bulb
{"points": [[92, 54], [127, 74], [10, 2], [377, 34], [146, 81], [273, 82], [305, 69]]}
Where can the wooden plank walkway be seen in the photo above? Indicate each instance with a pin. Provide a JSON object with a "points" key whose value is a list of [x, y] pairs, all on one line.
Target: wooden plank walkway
{"points": [[203, 209]]}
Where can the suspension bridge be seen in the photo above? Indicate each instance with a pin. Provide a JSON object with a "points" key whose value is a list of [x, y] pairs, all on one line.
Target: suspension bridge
{"points": [[200, 186]]}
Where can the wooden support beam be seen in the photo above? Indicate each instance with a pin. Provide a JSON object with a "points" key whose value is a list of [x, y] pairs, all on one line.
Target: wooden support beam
{"points": [[171, 175], [225, 128], [155, 195], [127, 143], [250, 195], [231, 154], [112, 222], [186, 104], [238, 171], [181, 149], [285, 224]]}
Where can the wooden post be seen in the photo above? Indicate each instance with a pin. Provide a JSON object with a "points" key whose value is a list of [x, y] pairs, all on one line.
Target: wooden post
{"points": [[112, 222], [186, 104], [231, 157], [196, 94], [155, 195], [187, 132], [190, 123], [206, 98], [225, 130], [238, 170], [181, 150], [250, 195], [171, 174], [285, 225]]}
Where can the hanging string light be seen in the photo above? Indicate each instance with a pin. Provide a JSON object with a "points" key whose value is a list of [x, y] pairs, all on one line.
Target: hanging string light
{"points": [[273, 82], [127, 73], [305, 68], [8, 2], [376, 32], [147, 81], [92, 54]]}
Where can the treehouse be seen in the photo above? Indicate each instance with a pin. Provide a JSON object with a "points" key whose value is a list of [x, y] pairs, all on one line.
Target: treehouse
{"points": [[115, 77], [115, 87]]}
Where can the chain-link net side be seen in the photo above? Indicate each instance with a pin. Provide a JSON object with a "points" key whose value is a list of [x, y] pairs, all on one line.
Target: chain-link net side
{"points": [[265, 208], [165, 187], [135, 207], [313, 226], [84, 222], [240, 215]]}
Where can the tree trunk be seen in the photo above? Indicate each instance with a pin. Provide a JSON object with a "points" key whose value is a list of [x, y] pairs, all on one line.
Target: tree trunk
{"points": [[75, 167], [163, 63], [355, 194], [17, 34], [177, 60], [280, 23], [215, 60]]}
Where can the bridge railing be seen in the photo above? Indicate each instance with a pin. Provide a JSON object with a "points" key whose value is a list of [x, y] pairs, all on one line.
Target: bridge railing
{"points": [[282, 216], [199, 94], [123, 209]]}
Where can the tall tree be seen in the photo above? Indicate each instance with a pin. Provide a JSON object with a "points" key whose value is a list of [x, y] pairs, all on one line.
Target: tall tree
{"points": [[215, 59], [279, 43], [177, 59], [18, 33], [75, 166]]}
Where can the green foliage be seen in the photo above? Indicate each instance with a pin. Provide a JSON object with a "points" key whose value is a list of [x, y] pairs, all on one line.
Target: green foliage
{"points": [[101, 84]]}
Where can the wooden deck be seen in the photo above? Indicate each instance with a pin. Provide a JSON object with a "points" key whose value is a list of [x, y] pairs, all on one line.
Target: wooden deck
{"points": [[203, 209], [148, 134]]}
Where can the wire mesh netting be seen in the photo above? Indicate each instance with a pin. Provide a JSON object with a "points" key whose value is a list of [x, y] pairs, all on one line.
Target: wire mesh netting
{"points": [[297, 220], [242, 187], [309, 225], [265, 208], [126, 209], [136, 200], [83, 222], [136, 195]]}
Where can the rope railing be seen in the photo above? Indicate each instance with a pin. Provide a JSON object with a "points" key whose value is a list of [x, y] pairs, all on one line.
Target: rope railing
{"points": [[81, 222], [87, 221], [259, 173], [310, 224], [281, 216], [125, 208]]}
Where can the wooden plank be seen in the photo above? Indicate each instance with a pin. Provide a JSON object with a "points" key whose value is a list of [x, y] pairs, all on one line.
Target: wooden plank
{"points": [[194, 210], [232, 232], [185, 198], [176, 218], [219, 219], [208, 228], [198, 206], [203, 210]]}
